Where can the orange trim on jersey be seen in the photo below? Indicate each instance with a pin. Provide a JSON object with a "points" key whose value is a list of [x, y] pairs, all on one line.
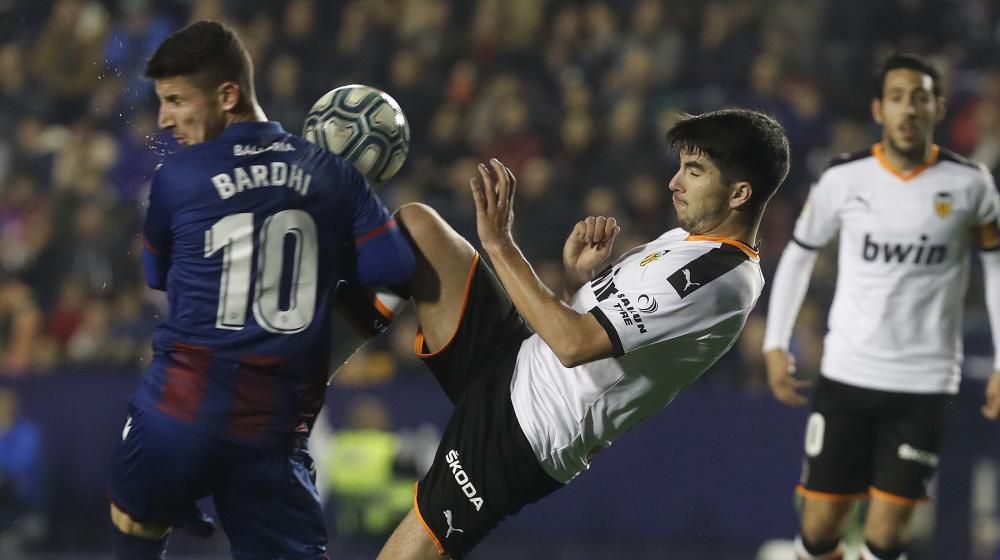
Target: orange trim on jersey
{"points": [[879, 152], [427, 528], [418, 342], [894, 499], [827, 496], [748, 250], [382, 309]]}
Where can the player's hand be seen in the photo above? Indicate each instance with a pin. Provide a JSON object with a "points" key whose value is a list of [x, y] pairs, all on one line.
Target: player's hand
{"points": [[780, 366], [588, 248], [991, 409], [493, 192]]}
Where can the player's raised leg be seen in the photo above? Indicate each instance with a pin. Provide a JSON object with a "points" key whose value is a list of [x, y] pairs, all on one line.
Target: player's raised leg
{"points": [[132, 540], [444, 266]]}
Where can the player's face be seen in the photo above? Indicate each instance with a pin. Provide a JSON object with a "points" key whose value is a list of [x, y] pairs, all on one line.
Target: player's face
{"points": [[191, 114], [908, 111], [701, 197]]}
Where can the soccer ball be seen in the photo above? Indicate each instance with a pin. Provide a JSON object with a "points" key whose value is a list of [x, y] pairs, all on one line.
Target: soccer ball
{"points": [[363, 125]]}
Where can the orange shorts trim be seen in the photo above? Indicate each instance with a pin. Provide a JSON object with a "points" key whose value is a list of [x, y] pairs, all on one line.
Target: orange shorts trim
{"points": [[894, 499], [427, 529], [419, 345], [382, 309], [827, 496]]}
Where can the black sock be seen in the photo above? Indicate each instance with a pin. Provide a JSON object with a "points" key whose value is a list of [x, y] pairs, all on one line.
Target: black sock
{"points": [[894, 553], [129, 547], [818, 550]]}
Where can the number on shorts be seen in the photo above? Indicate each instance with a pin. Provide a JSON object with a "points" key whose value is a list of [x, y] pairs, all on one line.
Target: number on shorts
{"points": [[814, 434]]}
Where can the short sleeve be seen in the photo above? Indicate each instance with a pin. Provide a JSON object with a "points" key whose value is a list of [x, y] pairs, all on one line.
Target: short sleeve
{"points": [[383, 254], [819, 220], [641, 303], [370, 217]]}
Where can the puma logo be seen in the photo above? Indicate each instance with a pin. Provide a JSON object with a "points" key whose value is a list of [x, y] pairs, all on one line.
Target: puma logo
{"points": [[862, 201], [451, 529], [687, 277]]}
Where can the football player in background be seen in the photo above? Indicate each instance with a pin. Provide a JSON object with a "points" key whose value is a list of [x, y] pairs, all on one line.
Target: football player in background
{"points": [[906, 212]]}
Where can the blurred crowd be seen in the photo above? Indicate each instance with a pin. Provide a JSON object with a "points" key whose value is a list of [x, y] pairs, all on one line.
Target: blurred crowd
{"points": [[575, 96]]}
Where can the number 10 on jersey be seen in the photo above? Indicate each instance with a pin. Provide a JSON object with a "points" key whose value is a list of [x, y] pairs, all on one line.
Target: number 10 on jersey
{"points": [[234, 235]]}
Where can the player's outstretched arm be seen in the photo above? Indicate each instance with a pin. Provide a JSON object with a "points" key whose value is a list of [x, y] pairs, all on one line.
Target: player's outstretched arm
{"points": [[791, 281], [587, 250], [575, 338], [991, 274]]}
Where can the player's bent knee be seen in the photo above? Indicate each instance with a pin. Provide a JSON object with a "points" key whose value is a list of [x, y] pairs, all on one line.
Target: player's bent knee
{"points": [[127, 525], [425, 226], [418, 218]]}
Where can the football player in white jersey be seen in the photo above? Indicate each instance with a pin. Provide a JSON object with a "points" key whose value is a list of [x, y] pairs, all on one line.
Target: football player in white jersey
{"points": [[906, 212], [539, 384]]}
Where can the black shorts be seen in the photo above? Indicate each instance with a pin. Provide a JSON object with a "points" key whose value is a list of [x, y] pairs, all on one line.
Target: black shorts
{"points": [[484, 469], [862, 442]]}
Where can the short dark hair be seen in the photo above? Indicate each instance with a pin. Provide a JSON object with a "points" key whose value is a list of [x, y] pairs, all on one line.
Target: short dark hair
{"points": [[208, 53], [745, 145], [908, 61]]}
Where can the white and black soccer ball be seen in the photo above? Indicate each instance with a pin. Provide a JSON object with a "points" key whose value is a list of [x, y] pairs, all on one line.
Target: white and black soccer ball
{"points": [[363, 125]]}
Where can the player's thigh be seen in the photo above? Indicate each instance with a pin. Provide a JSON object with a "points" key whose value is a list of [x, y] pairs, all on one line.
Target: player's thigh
{"points": [[442, 273], [487, 339], [268, 505], [909, 438], [839, 442], [158, 470], [410, 541], [483, 471]]}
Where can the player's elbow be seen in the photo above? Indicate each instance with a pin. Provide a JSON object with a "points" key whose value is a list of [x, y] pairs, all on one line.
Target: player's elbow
{"points": [[581, 342], [575, 353], [571, 361]]}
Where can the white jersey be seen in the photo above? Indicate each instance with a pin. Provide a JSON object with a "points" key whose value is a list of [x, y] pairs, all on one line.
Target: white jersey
{"points": [[903, 266], [671, 308]]}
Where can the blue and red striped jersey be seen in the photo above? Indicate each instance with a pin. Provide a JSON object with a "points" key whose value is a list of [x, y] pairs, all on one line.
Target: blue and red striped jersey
{"points": [[249, 234]]}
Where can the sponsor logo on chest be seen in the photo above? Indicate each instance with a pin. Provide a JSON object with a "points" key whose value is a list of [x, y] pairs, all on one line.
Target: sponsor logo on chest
{"points": [[916, 253]]}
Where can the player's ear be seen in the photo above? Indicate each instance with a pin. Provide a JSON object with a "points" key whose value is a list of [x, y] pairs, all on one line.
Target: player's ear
{"points": [[741, 193], [877, 110], [229, 95], [939, 107]]}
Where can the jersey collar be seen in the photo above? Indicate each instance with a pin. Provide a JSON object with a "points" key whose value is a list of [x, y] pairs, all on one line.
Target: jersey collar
{"points": [[749, 251], [251, 128], [905, 175]]}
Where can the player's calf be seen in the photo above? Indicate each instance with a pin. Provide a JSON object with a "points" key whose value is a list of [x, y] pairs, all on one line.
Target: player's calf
{"points": [[132, 540]]}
